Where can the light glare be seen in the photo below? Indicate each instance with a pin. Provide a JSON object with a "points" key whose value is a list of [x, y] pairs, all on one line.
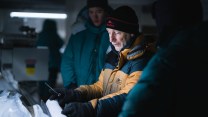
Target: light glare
{"points": [[38, 15]]}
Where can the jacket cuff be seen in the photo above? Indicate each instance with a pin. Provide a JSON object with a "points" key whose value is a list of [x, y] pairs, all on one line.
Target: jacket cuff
{"points": [[94, 103]]}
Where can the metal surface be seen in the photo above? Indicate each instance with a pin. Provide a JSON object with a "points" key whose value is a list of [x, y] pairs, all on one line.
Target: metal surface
{"points": [[30, 64]]}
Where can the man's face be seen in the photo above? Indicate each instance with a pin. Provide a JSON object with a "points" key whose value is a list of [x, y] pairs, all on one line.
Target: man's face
{"points": [[118, 38], [97, 15]]}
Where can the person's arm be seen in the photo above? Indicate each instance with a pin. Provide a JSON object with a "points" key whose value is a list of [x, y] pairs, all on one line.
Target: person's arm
{"points": [[110, 104], [67, 63], [105, 108], [93, 91], [110, 107], [86, 93]]}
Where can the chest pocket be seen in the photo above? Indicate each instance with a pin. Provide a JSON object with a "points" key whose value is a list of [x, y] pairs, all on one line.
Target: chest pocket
{"points": [[119, 81], [115, 80]]}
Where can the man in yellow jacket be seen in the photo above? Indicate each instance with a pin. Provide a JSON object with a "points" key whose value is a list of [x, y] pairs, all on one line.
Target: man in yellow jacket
{"points": [[128, 56]]}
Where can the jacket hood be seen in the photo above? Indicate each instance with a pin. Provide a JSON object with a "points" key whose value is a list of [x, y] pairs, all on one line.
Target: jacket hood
{"points": [[135, 49]]}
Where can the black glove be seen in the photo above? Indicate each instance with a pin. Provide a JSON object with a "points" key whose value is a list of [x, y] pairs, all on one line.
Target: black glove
{"points": [[71, 86], [66, 95], [78, 109]]}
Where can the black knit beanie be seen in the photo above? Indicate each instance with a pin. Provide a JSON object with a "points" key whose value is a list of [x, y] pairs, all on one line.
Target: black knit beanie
{"points": [[97, 3], [123, 19]]}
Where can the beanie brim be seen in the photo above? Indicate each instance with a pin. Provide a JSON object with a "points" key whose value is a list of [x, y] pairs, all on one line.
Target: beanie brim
{"points": [[121, 25]]}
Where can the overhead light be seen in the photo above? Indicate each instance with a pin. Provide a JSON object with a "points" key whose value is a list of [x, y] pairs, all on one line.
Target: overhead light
{"points": [[38, 15]]}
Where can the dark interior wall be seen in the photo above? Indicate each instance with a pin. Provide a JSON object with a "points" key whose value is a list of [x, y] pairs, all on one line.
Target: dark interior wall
{"points": [[71, 7], [33, 4]]}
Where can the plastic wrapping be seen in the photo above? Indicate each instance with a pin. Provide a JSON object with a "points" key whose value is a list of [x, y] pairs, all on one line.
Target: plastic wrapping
{"points": [[11, 105], [8, 76]]}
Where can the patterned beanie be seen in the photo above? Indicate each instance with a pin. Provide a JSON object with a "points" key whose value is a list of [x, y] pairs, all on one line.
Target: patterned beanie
{"points": [[123, 19]]}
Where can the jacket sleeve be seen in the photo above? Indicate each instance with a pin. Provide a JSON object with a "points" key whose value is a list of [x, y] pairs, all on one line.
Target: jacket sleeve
{"points": [[110, 107], [113, 103], [67, 62], [94, 91]]}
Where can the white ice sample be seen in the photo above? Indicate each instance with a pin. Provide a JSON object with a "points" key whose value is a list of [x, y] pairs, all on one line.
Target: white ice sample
{"points": [[54, 108]]}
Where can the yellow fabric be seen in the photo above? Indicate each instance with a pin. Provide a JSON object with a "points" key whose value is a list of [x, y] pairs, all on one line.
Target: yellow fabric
{"points": [[124, 87]]}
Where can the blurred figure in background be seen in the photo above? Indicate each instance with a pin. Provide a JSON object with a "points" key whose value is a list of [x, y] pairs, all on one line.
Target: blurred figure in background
{"points": [[49, 37], [174, 83], [84, 55]]}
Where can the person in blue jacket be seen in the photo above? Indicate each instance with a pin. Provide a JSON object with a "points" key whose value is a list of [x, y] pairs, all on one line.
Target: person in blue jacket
{"points": [[174, 83], [84, 55], [50, 38]]}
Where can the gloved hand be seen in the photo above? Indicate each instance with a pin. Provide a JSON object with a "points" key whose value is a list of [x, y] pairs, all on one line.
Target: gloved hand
{"points": [[78, 109], [67, 95], [72, 86]]}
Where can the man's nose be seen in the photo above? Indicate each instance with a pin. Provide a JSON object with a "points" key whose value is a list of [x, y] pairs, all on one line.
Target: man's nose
{"points": [[112, 38]]}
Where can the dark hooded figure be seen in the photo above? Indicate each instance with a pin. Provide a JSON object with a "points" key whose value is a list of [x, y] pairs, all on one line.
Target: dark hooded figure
{"points": [[174, 83]]}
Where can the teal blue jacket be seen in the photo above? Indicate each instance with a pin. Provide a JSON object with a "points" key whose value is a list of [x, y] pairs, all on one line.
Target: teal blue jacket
{"points": [[84, 56]]}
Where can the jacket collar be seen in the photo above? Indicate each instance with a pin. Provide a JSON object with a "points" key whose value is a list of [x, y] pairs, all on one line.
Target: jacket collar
{"points": [[132, 51], [135, 49], [95, 29]]}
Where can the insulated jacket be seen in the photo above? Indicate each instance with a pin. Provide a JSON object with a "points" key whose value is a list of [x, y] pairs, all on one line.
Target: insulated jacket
{"points": [[120, 73], [174, 83], [84, 56]]}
